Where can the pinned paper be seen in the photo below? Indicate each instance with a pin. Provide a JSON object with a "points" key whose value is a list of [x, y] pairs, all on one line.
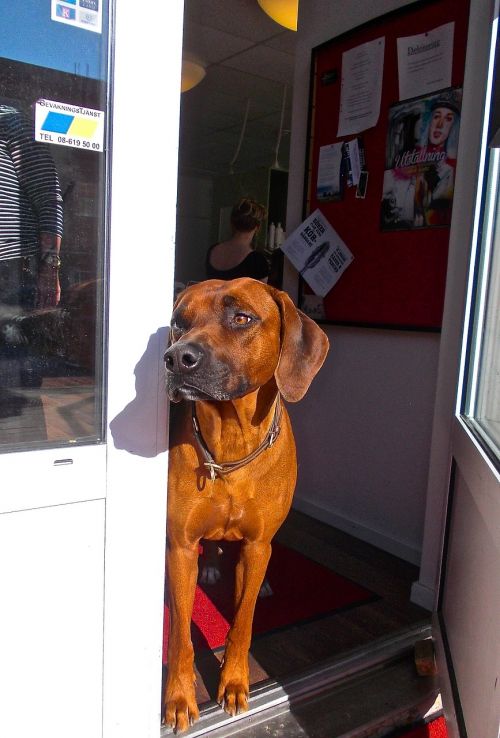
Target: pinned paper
{"points": [[425, 61], [362, 73], [318, 253], [329, 185]]}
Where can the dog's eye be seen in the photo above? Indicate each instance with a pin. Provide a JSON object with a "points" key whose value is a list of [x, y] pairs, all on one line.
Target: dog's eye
{"points": [[241, 319]]}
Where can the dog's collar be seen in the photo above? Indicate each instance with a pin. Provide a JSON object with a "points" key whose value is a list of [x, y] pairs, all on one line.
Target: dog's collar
{"points": [[229, 466]]}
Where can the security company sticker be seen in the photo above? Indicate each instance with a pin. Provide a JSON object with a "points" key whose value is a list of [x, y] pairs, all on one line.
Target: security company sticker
{"points": [[69, 125], [86, 14]]}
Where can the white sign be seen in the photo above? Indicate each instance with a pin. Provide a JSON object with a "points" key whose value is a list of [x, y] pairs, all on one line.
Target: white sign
{"points": [[318, 253], [69, 125], [86, 14], [361, 91], [425, 62]]}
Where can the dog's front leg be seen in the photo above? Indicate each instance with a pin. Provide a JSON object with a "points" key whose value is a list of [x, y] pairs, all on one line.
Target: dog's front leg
{"points": [[180, 705], [234, 680]]}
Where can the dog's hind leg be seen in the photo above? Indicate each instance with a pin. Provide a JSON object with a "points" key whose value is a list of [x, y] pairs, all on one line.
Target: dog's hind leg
{"points": [[234, 680]]}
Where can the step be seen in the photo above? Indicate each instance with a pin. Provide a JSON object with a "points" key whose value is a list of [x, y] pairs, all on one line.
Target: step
{"points": [[363, 695]]}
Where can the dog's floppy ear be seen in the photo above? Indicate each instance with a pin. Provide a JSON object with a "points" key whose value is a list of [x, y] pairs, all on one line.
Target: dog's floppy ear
{"points": [[304, 347]]}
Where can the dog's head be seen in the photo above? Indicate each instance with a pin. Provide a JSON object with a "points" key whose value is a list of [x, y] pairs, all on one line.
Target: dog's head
{"points": [[230, 338]]}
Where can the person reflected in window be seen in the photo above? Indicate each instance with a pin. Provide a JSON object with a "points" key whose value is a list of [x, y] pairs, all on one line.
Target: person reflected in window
{"points": [[237, 256], [31, 225]]}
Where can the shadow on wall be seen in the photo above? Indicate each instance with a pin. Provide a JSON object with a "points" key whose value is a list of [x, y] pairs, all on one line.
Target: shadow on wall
{"points": [[135, 428]]}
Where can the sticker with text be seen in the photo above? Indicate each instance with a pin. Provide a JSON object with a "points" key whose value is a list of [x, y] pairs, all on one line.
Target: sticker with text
{"points": [[86, 14], [64, 124]]}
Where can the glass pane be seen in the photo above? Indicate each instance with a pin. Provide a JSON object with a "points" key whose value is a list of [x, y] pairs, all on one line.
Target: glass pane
{"points": [[483, 395], [53, 87]]}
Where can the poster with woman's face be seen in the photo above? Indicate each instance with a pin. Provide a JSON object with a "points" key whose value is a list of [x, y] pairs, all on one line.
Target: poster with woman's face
{"points": [[420, 161]]}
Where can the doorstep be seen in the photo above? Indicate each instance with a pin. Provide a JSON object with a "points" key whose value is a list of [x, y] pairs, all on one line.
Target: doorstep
{"points": [[365, 694]]}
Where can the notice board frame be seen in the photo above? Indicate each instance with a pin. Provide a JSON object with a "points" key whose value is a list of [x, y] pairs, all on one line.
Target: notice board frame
{"points": [[397, 279]]}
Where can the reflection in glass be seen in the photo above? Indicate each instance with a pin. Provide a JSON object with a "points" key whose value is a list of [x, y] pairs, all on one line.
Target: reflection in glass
{"points": [[51, 266], [483, 395]]}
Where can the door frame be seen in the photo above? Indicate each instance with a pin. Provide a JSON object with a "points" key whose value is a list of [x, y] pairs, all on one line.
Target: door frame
{"points": [[145, 108]]}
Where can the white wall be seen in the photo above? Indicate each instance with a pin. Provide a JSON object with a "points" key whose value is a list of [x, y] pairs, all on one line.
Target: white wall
{"points": [[364, 430], [363, 433]]}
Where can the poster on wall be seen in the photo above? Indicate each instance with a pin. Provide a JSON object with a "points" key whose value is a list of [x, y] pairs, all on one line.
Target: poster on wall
{"points": [[420, 161]]}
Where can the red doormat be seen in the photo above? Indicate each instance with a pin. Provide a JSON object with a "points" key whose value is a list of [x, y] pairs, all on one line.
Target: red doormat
{"points": [[433, 729], [302, 590]]}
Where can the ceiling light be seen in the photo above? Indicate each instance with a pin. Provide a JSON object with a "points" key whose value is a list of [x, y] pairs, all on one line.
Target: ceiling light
{"points": [[283, 12], [191, 75]]}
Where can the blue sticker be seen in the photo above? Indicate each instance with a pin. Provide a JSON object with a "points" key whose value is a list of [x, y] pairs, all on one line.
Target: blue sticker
{"points": [[67, 13]]}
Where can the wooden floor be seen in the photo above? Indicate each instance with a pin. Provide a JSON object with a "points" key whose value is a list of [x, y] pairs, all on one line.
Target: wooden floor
{"points": [[62, 409], [297, 648]]}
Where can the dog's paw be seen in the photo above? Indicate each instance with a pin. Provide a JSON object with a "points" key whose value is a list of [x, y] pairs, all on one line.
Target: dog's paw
{"points": [[233, 697], [209, 574], [180, 713], [265, 589]]}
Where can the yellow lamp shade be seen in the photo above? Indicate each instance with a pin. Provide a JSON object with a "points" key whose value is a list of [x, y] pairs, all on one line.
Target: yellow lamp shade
{"points": [[283, 12], [192, 73]]}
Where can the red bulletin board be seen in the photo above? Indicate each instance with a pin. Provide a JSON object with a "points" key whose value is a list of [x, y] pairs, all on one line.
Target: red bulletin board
{"points": [[397, 278]]}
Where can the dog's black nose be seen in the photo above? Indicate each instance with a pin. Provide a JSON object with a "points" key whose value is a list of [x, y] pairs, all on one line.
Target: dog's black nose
{"points": [[182, 357]]}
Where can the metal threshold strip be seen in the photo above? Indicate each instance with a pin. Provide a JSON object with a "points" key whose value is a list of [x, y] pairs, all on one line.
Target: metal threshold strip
{"points": [[270, 699]]}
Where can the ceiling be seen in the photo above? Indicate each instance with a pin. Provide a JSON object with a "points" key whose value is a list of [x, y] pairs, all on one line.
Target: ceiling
{"points": [[249, 61]]}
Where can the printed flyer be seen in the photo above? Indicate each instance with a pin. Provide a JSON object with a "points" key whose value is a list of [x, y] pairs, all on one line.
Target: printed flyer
{"points": [[420, 161], [318, 253]]}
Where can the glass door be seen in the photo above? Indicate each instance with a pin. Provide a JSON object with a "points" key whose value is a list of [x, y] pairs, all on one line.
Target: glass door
{"points": [[54, 122], [53, 174], [470, 591], [83, 411]]}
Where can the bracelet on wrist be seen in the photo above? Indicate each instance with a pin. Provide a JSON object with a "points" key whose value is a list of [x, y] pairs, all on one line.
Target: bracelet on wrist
{"points": [[50, 258]]}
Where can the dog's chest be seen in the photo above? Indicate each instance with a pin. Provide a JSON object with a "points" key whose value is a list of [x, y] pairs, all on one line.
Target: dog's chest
{"points": [[232, 512]]}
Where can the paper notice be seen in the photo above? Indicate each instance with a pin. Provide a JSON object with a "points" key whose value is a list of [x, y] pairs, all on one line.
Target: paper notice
{"points": [[318, 253], [362, 72], [329, 169], [425, 62], [354, 161]]}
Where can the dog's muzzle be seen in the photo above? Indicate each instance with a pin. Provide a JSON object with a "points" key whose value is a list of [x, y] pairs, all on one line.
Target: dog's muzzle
{"points": [[183, 358], [184, 364]]}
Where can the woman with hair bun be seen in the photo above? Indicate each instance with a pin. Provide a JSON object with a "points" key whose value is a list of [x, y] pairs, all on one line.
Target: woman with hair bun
{"points": [[236, 257]]}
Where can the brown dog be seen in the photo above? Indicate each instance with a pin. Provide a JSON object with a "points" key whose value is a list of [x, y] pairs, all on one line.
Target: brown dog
{"points": [[236, 348]]}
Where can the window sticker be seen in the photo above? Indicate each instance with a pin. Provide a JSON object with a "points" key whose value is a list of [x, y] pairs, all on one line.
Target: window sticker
{"points": [[86, 14], [64, 124]]}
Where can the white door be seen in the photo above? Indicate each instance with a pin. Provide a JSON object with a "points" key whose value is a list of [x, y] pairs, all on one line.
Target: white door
{"points": [[89, 95], [461, 556], [469, 608]]}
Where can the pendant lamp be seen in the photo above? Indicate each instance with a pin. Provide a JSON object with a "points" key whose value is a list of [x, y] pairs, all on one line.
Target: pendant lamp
{"points": [[191, 74], [283, 12]]}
